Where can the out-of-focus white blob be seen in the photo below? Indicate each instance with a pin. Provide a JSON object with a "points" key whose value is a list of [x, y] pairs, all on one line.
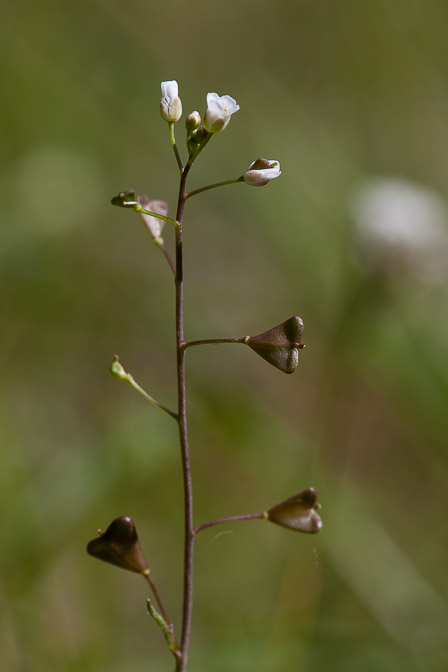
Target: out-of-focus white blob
{"points": [[401, 229]]}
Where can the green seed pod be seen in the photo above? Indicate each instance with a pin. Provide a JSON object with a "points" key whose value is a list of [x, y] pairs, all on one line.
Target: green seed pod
{"points": [[126, 199]]}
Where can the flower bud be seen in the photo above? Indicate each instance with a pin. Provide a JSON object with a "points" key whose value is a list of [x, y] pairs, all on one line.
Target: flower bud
{"points": [[117, 370], [299, 512], [126, 199], [192, 122], [153, 224], [280, 345], [119, 545], [261, 171], [197, 140], [218, 112], [170, 104]]}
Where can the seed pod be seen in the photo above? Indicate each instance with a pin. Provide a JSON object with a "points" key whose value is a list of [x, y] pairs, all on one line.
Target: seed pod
{"points": [[280, 345], [119, 545], [299, 512], [126, 199]]}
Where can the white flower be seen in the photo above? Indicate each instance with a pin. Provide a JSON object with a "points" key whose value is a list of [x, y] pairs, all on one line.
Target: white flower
{"points": [[402, 228], [218, 112], [170, 104], [261, 171], [153, 224]]}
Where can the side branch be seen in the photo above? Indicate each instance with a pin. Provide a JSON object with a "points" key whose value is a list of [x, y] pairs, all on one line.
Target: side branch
{"points": [[213, 341], [194, 192], [158, 242], [118, 371], [245, 340], [129, 199], [152, 585], [231, 519], [138, 208]]}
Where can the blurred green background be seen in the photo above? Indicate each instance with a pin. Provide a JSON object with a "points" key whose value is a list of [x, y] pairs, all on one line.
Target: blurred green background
{"points": [[341, 93]]}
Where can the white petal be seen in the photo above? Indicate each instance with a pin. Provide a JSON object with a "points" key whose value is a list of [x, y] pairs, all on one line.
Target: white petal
{"points": [[229, 105], [170, 89]]}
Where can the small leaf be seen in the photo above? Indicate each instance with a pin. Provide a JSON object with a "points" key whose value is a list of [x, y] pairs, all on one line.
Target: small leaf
{"points": [[280, 345], [119, 545], [299, 512]]}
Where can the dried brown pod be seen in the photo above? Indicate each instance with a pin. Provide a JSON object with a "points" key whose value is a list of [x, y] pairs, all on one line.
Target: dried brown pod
{"points": [[119, 545], [280, 345], [298, 512]]}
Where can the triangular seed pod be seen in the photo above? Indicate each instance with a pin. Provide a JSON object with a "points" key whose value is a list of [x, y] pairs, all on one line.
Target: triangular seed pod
{"points": [[126, 199], [299, 512], [280, 345], [120, 546]]}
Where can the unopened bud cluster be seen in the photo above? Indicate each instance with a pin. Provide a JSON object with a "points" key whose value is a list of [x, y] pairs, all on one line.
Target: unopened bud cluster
{"points": [[216, 118]]}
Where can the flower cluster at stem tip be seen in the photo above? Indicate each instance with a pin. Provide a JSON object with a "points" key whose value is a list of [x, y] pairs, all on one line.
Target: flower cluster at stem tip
{"points": [[216, 118]]}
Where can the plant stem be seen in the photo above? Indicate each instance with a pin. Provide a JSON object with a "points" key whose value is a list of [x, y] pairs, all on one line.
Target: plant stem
{"points": [[230, 519], [158, 242], [181, 663], [213, 186], [174, 146]]}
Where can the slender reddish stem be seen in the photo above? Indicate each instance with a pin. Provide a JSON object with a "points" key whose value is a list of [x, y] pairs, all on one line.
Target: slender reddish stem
{"points": [[167, 257], [149, 579], [230, 519], [181, 663], [213, 186], [214, 341]]}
